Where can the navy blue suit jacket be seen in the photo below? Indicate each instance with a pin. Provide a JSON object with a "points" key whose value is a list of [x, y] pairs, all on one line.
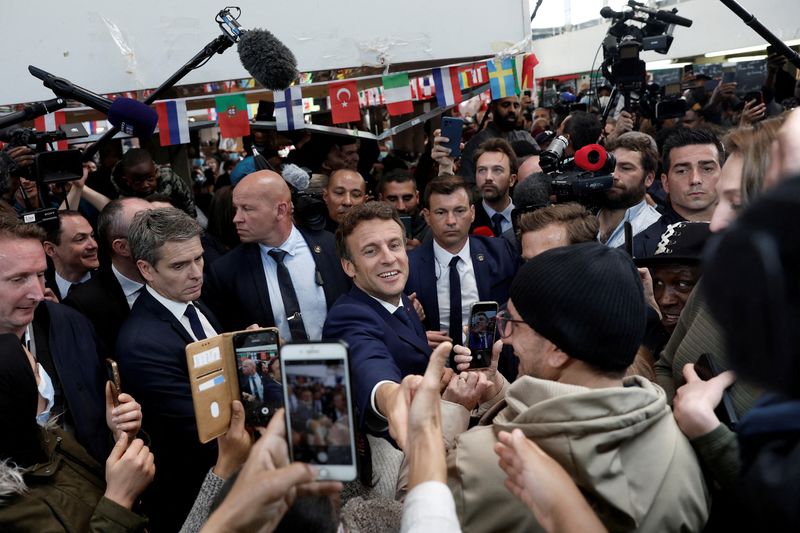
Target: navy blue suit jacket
{"points": [[382, 347], [152, 363], [235, 287], [72, 347], [495, 264]]}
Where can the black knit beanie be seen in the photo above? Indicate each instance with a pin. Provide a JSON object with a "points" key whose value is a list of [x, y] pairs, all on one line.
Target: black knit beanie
{"points": [[587, 299]]}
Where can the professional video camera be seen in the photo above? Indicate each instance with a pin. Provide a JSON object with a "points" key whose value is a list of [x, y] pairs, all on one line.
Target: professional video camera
{"points": [[48, 166], [622, 65], [580, 178]]}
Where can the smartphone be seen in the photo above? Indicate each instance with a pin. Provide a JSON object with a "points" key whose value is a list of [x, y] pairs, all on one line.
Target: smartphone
{"points": [[258, 371], [406, 220], [754, 95], [480, 336], [728, 76], [706, 369], [112, 370], [710, 85], [319, 407], [452, 128], [672, 89]]}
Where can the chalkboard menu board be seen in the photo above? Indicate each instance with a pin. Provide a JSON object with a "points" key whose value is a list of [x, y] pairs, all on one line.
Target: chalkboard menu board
{"points": [[712, 70], [750, 76], [667, 76]]}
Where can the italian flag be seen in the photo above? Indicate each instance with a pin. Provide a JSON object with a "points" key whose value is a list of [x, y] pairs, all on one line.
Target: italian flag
{"points": [[232, 115], [397, 93]]}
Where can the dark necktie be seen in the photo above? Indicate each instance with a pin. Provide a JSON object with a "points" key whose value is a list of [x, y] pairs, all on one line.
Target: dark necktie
{"points": [[291, 306], [402, 314], [254, 388], [194, 322], [455, 301], [497, 224]]}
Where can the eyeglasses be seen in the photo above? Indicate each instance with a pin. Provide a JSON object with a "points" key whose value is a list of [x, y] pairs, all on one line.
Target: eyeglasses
{"points": [[505, 324]]}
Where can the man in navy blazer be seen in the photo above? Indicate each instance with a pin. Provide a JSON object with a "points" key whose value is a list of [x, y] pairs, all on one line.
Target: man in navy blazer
{"points": [[484, 268], [386, 338], [243, 286], [151, 354]]}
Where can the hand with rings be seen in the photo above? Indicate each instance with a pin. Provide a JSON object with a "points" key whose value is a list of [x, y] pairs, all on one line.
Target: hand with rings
{"points": [[467, 389]]}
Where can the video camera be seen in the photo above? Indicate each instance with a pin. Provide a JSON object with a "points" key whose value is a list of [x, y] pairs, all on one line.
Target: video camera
{"points": [[622, 65], [579, 178], [48, 166]]}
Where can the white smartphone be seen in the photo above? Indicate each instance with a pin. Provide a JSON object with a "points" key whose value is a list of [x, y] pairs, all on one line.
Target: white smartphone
{"points": [[319, 407]]}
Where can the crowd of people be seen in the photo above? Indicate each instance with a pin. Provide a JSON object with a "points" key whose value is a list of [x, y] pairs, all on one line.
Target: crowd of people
{"points": [[610, 402]]}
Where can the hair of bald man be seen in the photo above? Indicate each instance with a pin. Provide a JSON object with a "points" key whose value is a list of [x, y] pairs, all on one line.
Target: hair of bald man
{"points": [[268, 179]]}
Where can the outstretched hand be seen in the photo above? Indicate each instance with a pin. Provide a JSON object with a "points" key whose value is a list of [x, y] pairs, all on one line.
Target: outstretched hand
{"points": [[694, 402]]}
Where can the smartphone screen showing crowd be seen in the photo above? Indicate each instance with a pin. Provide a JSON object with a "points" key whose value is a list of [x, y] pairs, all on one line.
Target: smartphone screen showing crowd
{"points": [[319, 413]]}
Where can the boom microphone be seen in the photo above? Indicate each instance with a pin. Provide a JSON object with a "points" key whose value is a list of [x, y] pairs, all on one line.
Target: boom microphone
{"points": [[267, 59], [129, 115], [34, 110]]}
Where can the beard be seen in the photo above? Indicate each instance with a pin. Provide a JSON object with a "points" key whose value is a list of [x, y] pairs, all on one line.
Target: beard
{"points": [[623, 199]]}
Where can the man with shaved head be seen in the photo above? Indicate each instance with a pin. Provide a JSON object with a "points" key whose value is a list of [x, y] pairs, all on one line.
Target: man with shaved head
{"points": [[281, 275]]}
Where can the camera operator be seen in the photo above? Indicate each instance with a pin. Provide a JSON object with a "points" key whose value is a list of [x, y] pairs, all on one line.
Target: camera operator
{"points": [[637, 158]]}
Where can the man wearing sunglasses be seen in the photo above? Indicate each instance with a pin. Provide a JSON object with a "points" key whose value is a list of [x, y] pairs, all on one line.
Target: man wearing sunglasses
{"points": [[575, 318]]}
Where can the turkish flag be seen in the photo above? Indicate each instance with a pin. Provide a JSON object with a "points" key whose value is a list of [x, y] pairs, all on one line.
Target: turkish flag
{"points": [[344, 102]]}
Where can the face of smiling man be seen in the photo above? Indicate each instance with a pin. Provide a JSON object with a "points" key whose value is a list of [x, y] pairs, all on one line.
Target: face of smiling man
{"points": [[378, 262]]}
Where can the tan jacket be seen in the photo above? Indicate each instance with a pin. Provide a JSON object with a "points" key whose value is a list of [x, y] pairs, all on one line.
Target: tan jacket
{"points": [[621, 446]]}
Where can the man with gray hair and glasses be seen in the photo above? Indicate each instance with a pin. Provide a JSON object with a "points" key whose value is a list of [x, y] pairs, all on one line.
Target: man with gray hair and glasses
{"points": [[167, 315]]}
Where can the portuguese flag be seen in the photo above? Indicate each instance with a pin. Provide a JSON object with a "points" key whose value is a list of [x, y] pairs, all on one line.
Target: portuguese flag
{"points": [[232, 115]]}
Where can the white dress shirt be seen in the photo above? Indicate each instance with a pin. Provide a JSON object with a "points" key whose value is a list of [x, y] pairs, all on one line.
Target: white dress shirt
{"points": [[131, 289], [64, 285], [469, 286], [178, 309], [303, 271], [505, 224], [641, 216]]}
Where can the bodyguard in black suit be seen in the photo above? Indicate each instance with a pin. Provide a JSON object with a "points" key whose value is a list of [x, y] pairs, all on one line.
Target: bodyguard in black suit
{"points": [[151, 354], [107, 298], [454, 269], [279, 267]]}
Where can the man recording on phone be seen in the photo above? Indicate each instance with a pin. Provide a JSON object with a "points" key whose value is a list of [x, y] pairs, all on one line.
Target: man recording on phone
{"points": [[614, 435]]}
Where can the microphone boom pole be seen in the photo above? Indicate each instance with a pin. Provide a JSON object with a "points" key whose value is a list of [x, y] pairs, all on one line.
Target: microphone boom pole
{"points": [[750, 20], [217, 46]]}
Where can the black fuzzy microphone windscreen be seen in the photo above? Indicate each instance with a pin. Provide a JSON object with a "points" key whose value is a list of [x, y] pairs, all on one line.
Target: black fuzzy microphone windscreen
{"points": [[267, 59]]}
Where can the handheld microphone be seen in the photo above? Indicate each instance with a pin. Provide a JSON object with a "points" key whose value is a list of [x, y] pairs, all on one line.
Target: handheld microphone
{"points": [[668, 17], [131, 116], [593, 158], [267, 59], [31, 111]]}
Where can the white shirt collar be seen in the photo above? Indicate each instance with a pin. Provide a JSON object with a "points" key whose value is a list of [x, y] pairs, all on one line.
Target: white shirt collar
{"points": [[443, 257], [176, 308], [64, 285], [505, 212], [386, 305], [289, 245], [128, 285]]}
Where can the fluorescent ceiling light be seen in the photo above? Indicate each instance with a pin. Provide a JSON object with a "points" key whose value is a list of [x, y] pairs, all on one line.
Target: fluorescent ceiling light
{"points": [[664, 64], [747, 58], [746, 49]]}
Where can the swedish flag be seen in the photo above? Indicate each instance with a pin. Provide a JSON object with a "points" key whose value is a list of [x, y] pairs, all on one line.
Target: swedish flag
{"points": [[502, 78]]}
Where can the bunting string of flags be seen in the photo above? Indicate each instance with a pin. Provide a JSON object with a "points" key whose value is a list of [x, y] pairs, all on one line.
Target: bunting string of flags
{"points": [[506, 76]]}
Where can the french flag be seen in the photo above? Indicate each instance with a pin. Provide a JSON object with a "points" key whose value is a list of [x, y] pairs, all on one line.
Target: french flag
{"points": [[173, 124], [448, 91], [52, 122]]}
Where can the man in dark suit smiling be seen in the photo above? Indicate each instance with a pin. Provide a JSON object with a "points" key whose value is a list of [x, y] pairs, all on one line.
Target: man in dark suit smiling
{"points": [[386, 338]]}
